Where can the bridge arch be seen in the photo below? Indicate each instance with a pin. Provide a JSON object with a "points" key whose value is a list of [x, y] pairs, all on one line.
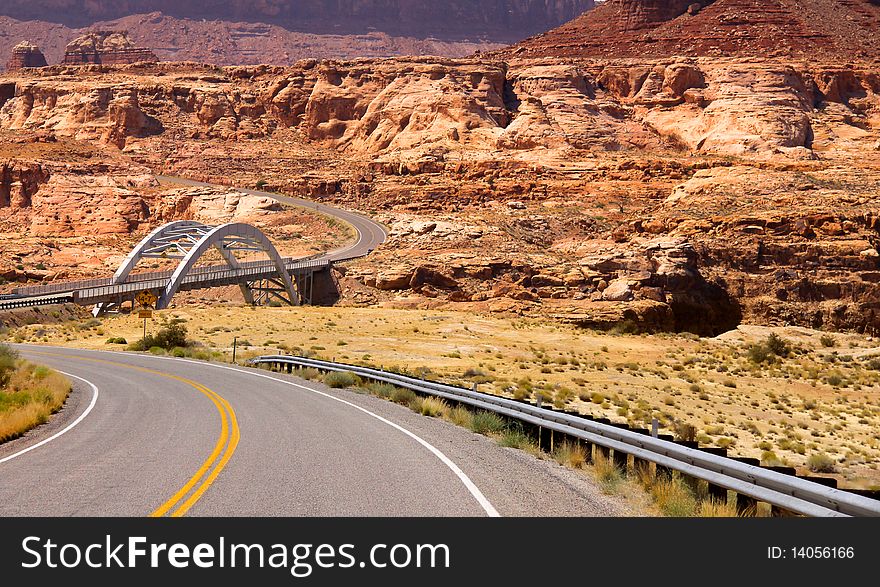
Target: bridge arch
{"points": [[188, 241], [229, 237]]}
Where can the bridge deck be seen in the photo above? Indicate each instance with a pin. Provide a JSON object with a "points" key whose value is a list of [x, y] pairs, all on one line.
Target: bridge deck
{"points": [[93, 291]]}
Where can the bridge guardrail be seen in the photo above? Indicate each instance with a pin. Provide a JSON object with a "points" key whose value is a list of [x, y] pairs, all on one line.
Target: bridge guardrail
{"points": [[784, 491], [67, 286]]}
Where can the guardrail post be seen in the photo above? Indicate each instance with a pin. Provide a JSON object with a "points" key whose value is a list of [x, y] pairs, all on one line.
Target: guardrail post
{"points": [[746, 505], [620, 459], [716, 492]]}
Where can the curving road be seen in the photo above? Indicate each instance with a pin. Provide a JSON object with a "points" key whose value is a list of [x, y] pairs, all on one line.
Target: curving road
{"points": [[370, 234], [144, 435]]}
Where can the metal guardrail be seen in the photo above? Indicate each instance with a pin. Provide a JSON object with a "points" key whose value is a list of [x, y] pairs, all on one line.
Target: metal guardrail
{"points": [[58, 298], [784, 491]]}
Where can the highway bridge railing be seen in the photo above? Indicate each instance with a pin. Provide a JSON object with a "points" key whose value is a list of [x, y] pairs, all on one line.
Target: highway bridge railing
{"points": [[148, 276], [785, 492]]}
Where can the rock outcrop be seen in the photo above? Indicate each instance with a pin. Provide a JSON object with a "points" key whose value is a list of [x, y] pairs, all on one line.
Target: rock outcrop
{"points": [[421, 109], [25, 54], [105, 48], [760, 28], [505, 20]]}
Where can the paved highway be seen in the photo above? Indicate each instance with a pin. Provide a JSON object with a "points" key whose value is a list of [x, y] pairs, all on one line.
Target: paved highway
{"points": [[370, 234], [144, 435]]}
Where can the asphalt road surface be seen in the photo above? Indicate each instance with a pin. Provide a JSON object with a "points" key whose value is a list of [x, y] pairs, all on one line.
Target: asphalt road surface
{"points": [[370, 234], [144, 435]]}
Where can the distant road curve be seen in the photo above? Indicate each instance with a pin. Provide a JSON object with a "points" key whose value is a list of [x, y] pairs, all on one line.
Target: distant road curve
{"points": [[370, 234], [171, 437]]}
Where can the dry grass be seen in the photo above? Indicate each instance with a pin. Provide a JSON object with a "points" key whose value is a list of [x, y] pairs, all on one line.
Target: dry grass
{"points": [[607, 473], [570, 454], [673, 498], [31, 396], [716, 508], [810, 401], [461, 416]]}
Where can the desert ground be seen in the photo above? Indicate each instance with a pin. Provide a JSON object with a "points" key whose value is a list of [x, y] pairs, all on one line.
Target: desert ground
{"points": [[819, 399]]}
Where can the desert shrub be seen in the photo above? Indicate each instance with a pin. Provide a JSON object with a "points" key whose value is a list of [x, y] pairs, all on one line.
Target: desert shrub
{"points": [[716, 508], [381, 389], [827, 341], [403, 396], [308, 373], [516, 438], [8, 357], [608, 474], [821, 463], [770, 350], [673, 498], [570, 454], [777, 345], [484, 422], [433, 407], [339, 379], [178, 351], [116, 340], [173, 335], [685, 431], [461, 416]]}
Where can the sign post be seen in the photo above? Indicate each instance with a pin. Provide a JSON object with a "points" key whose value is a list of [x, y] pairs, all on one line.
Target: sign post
{"points": [[147, 301]]}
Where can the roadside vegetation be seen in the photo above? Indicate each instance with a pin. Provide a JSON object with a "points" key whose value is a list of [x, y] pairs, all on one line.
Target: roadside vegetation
{"points": [[29, 394], [781, 395]]}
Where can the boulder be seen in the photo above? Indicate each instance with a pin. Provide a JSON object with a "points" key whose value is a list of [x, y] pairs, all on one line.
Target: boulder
{"points": [[618, 290], [394, 278]]}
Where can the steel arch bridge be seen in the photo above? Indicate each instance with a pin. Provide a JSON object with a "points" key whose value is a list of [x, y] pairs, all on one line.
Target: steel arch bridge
{"points": [[188, 241]]}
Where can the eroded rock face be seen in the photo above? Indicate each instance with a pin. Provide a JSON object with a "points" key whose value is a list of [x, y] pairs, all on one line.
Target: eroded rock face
{"points": [[758, 28], [105, 48], [107, 113], [505, 20], [25, 54], [19, 181], [419, 110], [213, 206]]}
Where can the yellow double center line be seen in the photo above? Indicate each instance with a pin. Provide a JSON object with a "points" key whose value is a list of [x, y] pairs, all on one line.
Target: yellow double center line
{"points": [[216, 461]]}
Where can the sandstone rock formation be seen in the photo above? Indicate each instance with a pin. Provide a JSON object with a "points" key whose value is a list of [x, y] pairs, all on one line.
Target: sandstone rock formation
{"points": [[105, 48], [423, 111], [25, 54], [505, 20], [640, 28]]}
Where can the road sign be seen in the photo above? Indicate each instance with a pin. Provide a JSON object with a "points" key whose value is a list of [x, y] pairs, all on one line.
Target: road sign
{"points": [[145, 314], [146, 299]]}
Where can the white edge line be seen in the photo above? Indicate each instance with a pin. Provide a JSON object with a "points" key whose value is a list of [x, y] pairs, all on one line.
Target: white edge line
{"points": [[69, 426], [470, 485]]}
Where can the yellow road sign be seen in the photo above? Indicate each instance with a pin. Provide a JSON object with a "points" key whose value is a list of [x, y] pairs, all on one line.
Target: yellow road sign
{"points": [[146, 299], [145, 314]]}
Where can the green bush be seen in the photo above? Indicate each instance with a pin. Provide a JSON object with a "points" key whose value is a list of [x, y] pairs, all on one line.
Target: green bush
{"points": [[381, 389], [339, 379], [403, 396], [116, 340], [516, 438], [174, 335], [777, 345], [8, 357], [487, 422]]}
